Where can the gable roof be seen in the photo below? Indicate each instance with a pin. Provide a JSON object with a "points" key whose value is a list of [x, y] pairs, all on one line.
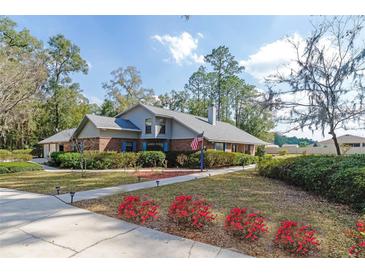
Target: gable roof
{"points": [[104, 122], [220, 132], [60, 137], [347, 138]]}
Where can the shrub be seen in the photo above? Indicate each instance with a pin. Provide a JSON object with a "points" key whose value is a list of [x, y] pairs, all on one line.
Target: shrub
{"points": [[283, 152], [22, 151], [242, 159], [245, 225], [12, 167], [299, 240], [151, 158], [358, 234], [189, 211], [338, 178], [138, 210], [69, 159], [126, 160], [260, 151], [213, 158], [182, 160]]}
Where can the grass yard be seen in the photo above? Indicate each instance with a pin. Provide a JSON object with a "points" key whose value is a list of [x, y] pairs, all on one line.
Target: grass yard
{"points": [[45, 182], [276, 200]]}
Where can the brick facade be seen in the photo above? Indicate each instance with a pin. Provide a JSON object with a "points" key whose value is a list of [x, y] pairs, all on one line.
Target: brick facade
{"points": [[115, 144]]}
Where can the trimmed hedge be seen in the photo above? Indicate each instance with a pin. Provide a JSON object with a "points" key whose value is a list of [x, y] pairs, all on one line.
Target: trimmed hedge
{"points": [[16, 155], [110, 160], [338, 178], [12, 167], [212, 159]]}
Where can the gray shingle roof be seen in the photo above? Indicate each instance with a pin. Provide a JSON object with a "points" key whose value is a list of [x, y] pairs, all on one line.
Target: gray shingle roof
{"points": [[112, 122], [221, 132], [60, 137]]}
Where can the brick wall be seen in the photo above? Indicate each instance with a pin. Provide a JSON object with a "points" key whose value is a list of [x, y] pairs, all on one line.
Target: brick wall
{"points": [[184, 144], [115, 144]]}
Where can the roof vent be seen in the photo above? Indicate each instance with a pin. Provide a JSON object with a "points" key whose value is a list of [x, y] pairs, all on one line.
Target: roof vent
{"points": [[212, 115]]}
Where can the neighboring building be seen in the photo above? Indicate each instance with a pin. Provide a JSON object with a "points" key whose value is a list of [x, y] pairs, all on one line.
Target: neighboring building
{"points": [[289, 145], [349, 144], [344, 140], [144, 127]]}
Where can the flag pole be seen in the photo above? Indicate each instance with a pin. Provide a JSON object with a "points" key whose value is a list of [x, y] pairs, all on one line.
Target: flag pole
{"points": [[202, 154]]}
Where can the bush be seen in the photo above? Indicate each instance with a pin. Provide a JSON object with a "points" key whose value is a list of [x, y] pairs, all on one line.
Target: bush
{"points": [[242, 159], [299, 240], [151, 158], [245, 225], [260, 151], [358, 234], [283, 152], [55, 158], [137, 210], [69, 159], [182, 160], [22, 151], [338, 178], [15, 155], [189, 211], [12, 167]]}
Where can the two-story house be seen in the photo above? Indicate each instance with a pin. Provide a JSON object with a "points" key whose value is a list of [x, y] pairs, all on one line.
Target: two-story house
{"points": [[144, 127]]}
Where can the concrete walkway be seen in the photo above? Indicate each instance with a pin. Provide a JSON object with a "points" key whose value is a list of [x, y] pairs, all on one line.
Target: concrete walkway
{"points": [[101, 192], [34, 225]]}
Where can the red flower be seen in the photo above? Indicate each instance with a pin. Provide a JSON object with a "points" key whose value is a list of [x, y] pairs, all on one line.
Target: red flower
{"points": [[190, 211], [132, 208], [297, 239], [246, 226], [358, 234]]}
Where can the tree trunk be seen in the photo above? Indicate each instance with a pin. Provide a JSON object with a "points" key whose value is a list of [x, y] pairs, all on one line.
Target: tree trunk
{"points": [[337, 146]]}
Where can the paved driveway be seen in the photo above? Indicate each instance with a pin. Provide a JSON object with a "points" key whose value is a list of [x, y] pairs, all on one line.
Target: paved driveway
{"points": [[34, 225]]}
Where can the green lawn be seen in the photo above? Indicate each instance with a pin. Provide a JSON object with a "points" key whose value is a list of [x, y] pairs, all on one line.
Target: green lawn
{"points": [[276, 200], [45, 182]]}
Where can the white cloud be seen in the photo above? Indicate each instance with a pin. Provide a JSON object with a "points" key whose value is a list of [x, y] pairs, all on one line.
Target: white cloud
{"points": [[89, 64], [182, 48], [272, 57], [96, 100]]}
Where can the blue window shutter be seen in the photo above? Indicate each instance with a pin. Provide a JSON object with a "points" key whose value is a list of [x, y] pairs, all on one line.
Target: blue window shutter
{"points": [[124, 146], [134, 146], [165, 146], [144, 147]]}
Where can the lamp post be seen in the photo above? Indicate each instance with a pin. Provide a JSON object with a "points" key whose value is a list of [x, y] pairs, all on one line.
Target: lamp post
{"points": [[58, 188], [157, 183], [72, 194]]}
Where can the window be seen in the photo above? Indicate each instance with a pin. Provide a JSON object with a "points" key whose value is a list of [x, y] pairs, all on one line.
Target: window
{"points": [[128, 146], [363, 144], [162, 123], [148, 124], [219, 146], [155, 146], [234, 147], [60, 148]]}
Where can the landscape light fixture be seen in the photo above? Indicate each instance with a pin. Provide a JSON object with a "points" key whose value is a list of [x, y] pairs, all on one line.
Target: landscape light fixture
{"points": [[58, 188], [72, 194], [157, 182]]}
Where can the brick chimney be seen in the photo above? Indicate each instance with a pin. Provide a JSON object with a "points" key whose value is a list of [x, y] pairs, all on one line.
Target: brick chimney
{"points": [[212, 115]]}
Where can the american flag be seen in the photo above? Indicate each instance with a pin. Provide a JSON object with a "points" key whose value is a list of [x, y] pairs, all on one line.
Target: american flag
{"points": [[195, 143]]}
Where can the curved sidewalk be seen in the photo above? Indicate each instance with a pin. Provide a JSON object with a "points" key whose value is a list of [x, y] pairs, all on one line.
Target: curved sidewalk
{"points": [[101, 192], [34, 225]]}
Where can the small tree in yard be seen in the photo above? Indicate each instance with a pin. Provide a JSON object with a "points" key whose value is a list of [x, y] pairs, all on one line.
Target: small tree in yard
{"points": [[79, 145], [323, 88]]}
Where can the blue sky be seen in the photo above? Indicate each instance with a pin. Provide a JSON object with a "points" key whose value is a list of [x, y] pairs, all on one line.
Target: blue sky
{"points": [[168, 49]]}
